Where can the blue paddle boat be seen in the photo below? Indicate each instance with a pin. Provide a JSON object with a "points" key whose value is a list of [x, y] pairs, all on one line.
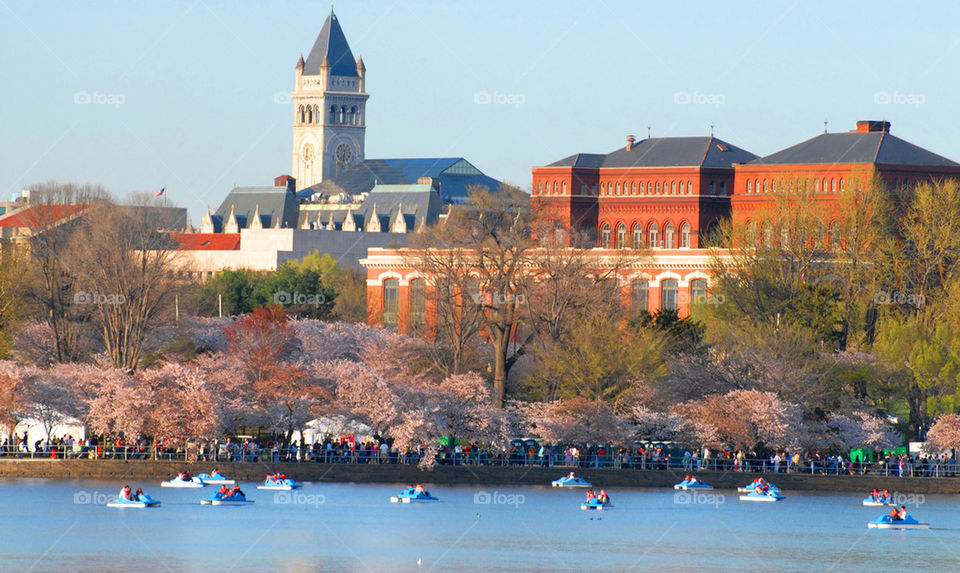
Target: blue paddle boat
{"points": [[183, 480], [759, 482], [887, 522], [570, 480], [139, 502], [412, 494], [878, 501], [692, 483], [597, 502], [232, 498], [769, 495], [216, 478], [279, 482]]}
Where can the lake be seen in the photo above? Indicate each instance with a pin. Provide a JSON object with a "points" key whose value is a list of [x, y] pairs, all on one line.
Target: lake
{"points": [[59, 525]]}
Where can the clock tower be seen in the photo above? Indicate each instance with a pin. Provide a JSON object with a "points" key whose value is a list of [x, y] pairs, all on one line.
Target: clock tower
{"points": [[329, 108]]}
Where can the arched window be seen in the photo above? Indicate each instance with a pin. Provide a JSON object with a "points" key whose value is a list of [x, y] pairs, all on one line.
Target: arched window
{"points": [[640, 296], [685, 236], [603, 188], [303, 115], [668, 294], [668, 236], [391, 298], [309, 114], [723, 187], [698, 291], [833, 185], [633, 187], [673, 187], [637, 236], [766, 186], [618, 188], [554, 187], [540, 188], [583, 188], [689, 187], [654, 236], [842, 186], [342, 114], [816, 185], [621, 236], [642, 191], [418, 302], [333, 114], [563, 188], [749, 186], [658, 187], [353, 116], [605, 236], [712, 187]]}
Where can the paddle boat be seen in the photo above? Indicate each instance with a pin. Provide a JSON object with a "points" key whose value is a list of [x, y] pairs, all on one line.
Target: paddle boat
{"points": [[570, 480], [769, 495], [878, 501], [279, 482], [412, 494], [226, 497], [139, 501], [759, 482], [691, 482], [887, 522], [216, 478], [598, 502], [183, 480]]}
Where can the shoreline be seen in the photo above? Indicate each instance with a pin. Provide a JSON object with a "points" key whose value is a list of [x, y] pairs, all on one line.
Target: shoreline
{"points": [[460, 475]]}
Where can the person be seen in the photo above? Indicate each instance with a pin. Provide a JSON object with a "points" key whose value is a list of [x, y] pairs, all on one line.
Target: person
{"points": [[138, 494], [590, 495], [902, 513], [875, 494], [223, 492], [238, 492], [215, 472], [570, 476], [894, 514], [125, 493], [886, 496], [419, 488], [270, 478], [603, 497]]}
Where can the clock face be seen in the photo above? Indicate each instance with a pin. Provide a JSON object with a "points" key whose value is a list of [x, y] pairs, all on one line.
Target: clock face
{"points": [[307, 153], [343, 153]]}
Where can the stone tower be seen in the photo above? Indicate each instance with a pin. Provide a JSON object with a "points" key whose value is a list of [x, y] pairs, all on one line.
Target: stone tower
{"points": [[329, 108]]}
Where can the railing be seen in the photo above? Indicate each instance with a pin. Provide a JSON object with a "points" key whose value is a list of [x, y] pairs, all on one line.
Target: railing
{"points": [[615, 461]]}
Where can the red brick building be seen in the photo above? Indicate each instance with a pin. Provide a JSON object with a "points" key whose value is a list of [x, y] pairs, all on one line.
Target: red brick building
{"points": [[666, 194]]}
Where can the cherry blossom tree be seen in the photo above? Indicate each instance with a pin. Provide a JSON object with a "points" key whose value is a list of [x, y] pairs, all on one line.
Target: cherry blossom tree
{"points": [[182, 408], [944, 434], [577, 420], [744, 418]]}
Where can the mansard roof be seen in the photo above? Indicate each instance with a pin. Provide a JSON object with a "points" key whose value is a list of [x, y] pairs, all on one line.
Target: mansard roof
{"points": [[454, 176], [872, 147], [331, 45], [273, 202], [664, 152], [417, 201]]}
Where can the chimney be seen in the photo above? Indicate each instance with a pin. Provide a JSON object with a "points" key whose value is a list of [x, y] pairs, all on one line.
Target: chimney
{"points": [[286, 181], [867, 126], [630, 141]]}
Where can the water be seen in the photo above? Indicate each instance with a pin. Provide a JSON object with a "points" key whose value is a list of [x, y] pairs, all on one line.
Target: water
{"points": [[59, 525]]}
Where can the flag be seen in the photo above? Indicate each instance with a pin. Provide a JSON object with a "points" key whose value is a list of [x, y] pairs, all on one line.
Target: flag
{"points": [[160, 192]]}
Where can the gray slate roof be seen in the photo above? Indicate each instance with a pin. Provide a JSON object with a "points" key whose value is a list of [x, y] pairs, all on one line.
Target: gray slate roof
{"points": [[332, 44], [874, 147], [665, 152], [273, 201], [418, 201]]}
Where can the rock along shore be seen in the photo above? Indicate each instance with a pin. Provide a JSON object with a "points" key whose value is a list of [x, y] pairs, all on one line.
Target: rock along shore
{"points": [[457, 475]]}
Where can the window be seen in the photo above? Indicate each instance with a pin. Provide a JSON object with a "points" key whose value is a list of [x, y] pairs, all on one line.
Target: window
{"points": [[303, 115], [749, 186], [391, 298], [418, 302], [712, 187], [637, 236], [563, 188], [603, 188], [668, 236], [633, 187], [668, 294], [605, 236], [618, 188], [698, 291], [641, 188], [842, 181], [554, 187], [621, 236], [689, 187], [723, 187], [685, 236], [816, 185], [673, 187], [658, 187], [639, 295], [833, 185], [654, 237], [583, 188], [540, 188], [352, 117], [766, 186]]}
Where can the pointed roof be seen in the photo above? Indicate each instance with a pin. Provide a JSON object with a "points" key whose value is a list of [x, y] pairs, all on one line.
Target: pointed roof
{"points": [[331, 46], [871, 147], [256, 222]]}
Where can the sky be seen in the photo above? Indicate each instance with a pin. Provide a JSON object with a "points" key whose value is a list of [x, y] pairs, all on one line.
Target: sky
{"points": [[191, 95]]}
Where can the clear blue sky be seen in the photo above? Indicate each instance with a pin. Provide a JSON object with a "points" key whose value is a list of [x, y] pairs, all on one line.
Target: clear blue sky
{"points": [[183, 92]]}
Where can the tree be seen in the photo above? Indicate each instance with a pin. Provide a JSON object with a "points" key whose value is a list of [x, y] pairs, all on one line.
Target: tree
{"points": [[182, 407], [945, 433], [575, 421], [261, 340]]}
